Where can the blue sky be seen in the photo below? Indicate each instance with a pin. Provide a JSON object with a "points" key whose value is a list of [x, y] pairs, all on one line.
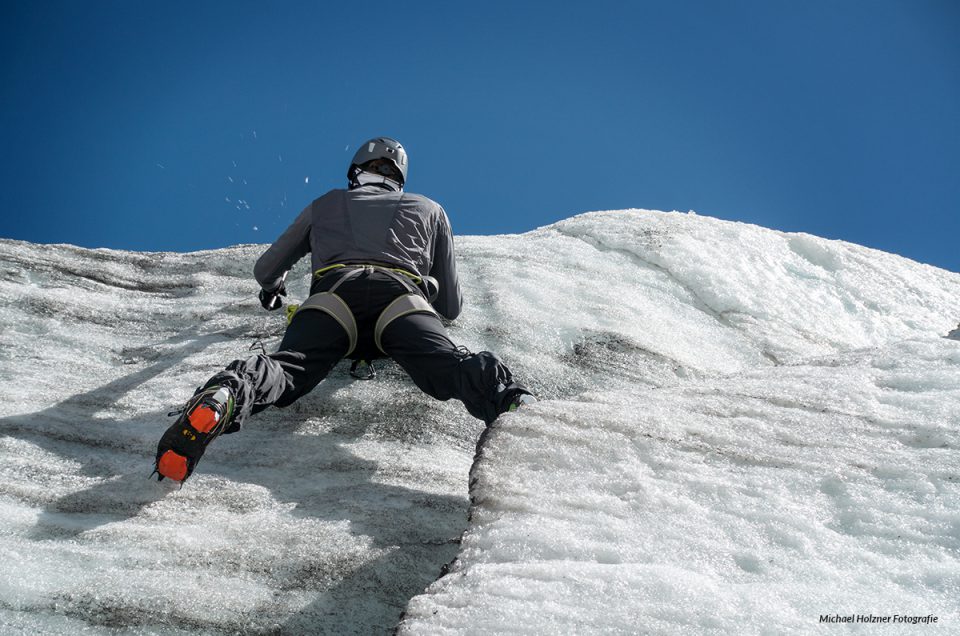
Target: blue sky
{"points": [[188, 125]]}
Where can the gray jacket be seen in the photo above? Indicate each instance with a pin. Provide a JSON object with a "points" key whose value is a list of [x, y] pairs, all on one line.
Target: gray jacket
{"points": [[375, 225]]}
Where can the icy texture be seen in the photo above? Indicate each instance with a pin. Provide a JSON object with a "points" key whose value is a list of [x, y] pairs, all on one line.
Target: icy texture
{"points": [[322, 518], [754, 502], [739, 430]]}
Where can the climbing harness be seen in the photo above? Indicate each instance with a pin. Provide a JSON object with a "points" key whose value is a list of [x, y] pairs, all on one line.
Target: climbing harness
{"points": [[333, 305]]}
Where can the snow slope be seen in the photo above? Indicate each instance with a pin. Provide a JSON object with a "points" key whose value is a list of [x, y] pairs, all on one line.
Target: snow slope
{"points": [[740, 430]]}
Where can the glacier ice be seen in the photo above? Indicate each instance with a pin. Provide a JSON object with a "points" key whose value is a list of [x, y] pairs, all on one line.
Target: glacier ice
{"points": [[739, 430]]}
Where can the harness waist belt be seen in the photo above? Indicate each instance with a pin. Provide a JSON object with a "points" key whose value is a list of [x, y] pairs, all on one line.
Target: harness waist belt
{"points": [[323, 271]]}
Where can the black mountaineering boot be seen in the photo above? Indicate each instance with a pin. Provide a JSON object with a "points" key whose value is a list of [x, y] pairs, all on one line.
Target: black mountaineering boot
{"points": [[204, 417]]}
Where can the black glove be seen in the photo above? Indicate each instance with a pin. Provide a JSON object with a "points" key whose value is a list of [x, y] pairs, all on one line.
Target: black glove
{"points": [[271, 300]]}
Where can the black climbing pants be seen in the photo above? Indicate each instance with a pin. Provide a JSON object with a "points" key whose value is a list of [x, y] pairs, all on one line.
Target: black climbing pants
{"points": [[315, 342]]}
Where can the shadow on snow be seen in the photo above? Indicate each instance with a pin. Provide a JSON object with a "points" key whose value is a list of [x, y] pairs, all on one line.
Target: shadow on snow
{"points": [[416, 531]]}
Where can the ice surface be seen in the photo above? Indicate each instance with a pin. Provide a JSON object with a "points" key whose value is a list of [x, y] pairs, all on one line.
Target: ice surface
{"points": [[739, 431], [323, 518], [753, 502]]}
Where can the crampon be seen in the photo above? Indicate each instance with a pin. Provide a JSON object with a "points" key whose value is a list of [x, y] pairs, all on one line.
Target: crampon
{"points": [[205, 416]]}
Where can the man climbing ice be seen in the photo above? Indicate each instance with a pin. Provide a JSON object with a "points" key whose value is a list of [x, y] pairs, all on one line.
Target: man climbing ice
{"points": [[384, 274]]}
